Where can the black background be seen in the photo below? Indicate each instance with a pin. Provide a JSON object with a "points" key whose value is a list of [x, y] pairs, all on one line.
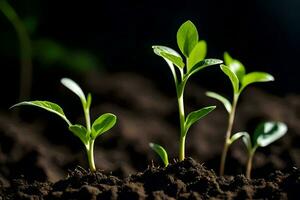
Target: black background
{"points": [[264, 35]]}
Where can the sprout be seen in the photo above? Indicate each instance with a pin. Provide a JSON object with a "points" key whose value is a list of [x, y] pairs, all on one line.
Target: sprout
{"points": [[194, 52], [87, 134], [236, 72], [264, 134], [161, 152]]}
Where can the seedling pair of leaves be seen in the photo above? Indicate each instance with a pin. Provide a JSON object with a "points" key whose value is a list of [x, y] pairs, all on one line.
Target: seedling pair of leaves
{"points": [[236, 73], [194, 52], [265, 134], [87, 134]]}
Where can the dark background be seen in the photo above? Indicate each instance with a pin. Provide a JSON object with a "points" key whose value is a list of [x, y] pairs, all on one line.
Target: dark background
{"points": [[264, 35]]}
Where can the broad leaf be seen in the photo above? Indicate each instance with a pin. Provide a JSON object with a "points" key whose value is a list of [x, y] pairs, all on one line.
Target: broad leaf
{"points": [[49, 106], [255, 77], [232, 76], [187, 38], [103, 124], [80, 131], [196, 115], [74, 87], [222, 99], [237, 136], [161, 152], [197, 54], [169, 54], [247, 141], [236, 66], [268, 132], [203, 64]]}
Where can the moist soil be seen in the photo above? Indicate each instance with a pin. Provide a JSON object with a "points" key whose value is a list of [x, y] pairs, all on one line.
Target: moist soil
{"points": [[37, 151], [183, 180]]}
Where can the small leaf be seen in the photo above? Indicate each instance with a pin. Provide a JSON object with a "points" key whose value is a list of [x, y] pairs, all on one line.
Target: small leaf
{"points": [[236, 66], [196, 115], [74, 87], [161, 152], [247, 141], [197, 54], [103, 124], [268, 132], [49, 106], [79, 131], [222, 99], [255, 77], [169, 54], [232, 76], [237, 136], [203, 64], [187, 38]]}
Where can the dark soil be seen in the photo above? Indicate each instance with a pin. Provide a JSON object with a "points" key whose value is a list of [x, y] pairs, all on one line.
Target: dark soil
{"points": [[38, 147], [182, 180]]}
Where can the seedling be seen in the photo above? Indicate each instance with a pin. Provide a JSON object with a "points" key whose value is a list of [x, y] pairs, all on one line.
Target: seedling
{"points": [[236, 72], [264, 134], [161, 152], [194, 52], [25, 48], [87, 134]]}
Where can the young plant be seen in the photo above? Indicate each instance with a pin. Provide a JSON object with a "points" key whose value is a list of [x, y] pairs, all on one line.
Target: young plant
{"points": [[236, 72], [25, 48], [264, 134], [194, 52], [87, 134], [161, 152]]}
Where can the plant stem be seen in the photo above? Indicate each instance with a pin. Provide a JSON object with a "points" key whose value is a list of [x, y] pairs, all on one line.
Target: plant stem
{"points": [[249, 164], [87, 119], [182, 128], [25, 49], [228, 134], [90, 153]]}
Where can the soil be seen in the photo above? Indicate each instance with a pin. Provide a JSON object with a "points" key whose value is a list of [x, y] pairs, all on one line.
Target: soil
{"points": [[36, 150]]}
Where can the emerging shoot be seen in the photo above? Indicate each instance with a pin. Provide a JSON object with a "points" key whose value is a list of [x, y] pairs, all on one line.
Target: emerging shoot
{"points": [[194, 52], [236, 72], [264, 134], [87, 134], [161, 152]]}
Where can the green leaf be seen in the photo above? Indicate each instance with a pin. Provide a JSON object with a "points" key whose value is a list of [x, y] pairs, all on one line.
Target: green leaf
{"points": [[247, 141], [268, 132], [237, 136], [236, 66], [196, 115], [255, 77], [203, 64], [49, 106], [232, 76], [197, 54], [74, 87], [222, 99], [187, 38], [169, 54], [80, 131], [103, 124], [161, 152]]}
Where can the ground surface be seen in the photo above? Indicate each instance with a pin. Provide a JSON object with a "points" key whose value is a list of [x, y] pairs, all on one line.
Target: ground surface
{"points": [[40, 148]]}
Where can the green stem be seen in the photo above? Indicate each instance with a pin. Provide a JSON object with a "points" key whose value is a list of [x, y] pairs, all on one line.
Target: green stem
{"points": [[87, 119], [182, 127], [90, 153], [228, 134], [249, 164], [25, 49]]}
